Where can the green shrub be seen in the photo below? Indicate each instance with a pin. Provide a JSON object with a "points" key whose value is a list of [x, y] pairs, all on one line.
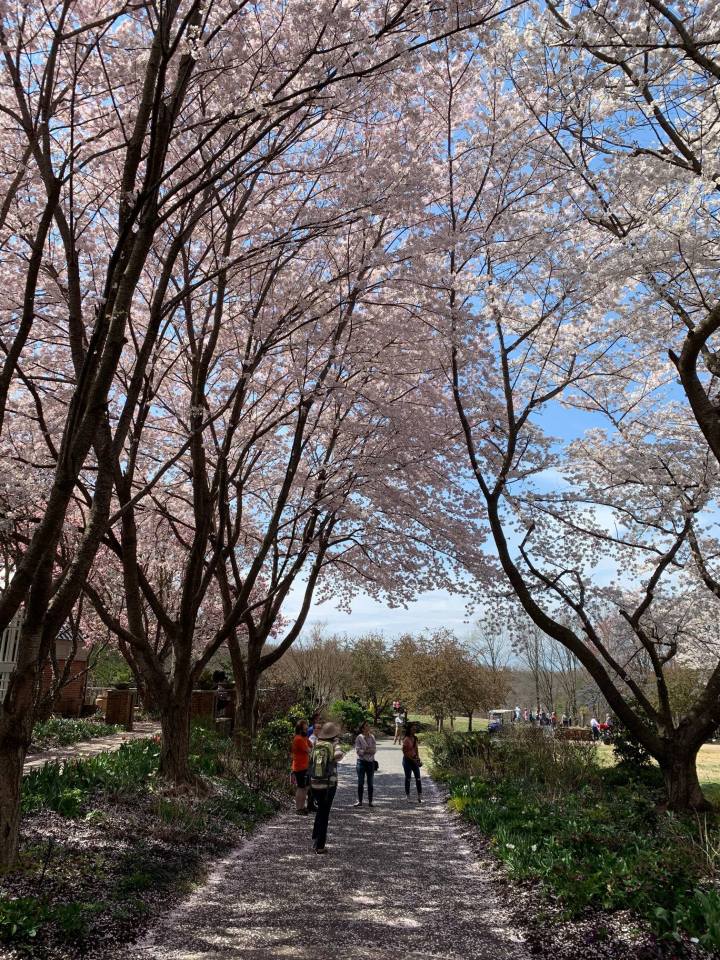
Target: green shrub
{"points": [[63, 732], [629, 753], [298, 712], [20, 919], [350, 714], [593, 843], [460, 752], [276, 736], [67, 787]]}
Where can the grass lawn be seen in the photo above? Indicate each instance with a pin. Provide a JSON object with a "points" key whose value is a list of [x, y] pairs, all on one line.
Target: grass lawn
{"points": [[708, 767], [461, 723]]}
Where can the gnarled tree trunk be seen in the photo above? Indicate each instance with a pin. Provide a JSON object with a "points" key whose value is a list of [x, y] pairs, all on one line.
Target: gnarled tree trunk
{"points": [[679, 770]]}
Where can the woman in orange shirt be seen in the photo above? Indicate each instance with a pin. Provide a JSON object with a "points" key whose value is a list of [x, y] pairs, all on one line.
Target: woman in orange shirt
{"points": [[300, 753]]}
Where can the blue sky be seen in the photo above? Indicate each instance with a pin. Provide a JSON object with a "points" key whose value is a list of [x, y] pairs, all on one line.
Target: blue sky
{"points": [[436, 608]]}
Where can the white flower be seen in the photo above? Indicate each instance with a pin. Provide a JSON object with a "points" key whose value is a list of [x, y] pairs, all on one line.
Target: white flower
{"points": [[510, 846]]}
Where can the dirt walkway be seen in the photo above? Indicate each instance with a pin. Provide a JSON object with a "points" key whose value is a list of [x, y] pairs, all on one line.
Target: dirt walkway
{"points": [[398, 883], [89, 748]]}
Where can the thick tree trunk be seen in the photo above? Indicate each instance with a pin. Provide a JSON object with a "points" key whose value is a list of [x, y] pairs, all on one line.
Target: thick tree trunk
{"points": [[12, 757], [246, 708], [175, 749], [17, 715], [679, 769]]}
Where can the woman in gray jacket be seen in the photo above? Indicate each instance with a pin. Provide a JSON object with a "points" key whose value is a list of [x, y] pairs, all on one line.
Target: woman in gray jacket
{"points": [[365, 748]]}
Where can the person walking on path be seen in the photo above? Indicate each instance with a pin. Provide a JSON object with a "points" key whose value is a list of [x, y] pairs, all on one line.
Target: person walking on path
{"points": [[365, 748], [300, 754], [312, 737], [325, 757], [411, 761]]}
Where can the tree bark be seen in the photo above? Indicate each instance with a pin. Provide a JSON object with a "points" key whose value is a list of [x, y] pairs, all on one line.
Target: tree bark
{"points": [[470, 718], [12, 757], [246, 707], [175, 749], [679, 770]]}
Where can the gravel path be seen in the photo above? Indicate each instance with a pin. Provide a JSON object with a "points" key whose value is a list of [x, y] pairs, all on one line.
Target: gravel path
{"points": [[398, 883], [89, 748]]}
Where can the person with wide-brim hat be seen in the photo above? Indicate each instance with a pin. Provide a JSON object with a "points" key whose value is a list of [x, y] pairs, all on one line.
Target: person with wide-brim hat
{"points": [[323, 776]]}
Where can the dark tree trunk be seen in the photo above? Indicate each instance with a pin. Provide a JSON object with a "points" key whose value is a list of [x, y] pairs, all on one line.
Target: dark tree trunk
{"points": [[12, 757], [679, 769], [246, 708], [175, 749], [17, 714], [470, 716]]}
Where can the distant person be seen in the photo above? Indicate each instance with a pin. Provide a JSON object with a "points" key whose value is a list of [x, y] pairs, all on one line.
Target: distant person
{"points": [[595, 728], [517, 713], [525, 715], [324, 759], [411, 761], [564, 720], [365, 748], [314, 723], [553, 719], [300, 753], [398, 727]]}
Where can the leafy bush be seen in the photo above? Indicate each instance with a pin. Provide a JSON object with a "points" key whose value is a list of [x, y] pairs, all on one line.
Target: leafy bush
{"points": [[459, 752], [524, 753], [63, 732], [66, 788], [276, 735], [298, 712], [591, 838], [350, 714], [628, 752], [20, 919]]}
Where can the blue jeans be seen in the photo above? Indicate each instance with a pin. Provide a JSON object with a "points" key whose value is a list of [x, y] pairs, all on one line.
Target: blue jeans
{"points": [[365, 768], [412, 767]]}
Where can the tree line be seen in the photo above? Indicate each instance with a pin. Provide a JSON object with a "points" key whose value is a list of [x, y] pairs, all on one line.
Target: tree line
{"points": [[432, 673]]}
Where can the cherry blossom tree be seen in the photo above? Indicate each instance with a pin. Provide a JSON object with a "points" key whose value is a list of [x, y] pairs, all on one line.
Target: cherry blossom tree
{"points": [[588, 295], [126, 127]]}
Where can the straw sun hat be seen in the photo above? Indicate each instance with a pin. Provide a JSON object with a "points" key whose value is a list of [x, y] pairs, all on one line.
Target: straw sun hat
{"points": [[328, 731]]}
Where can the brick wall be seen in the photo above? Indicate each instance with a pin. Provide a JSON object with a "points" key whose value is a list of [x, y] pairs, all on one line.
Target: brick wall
{"points": [[72, 695]]}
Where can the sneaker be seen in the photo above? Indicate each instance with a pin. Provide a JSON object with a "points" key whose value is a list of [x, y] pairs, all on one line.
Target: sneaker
{"points": [[302, 813], [419, 799], [358, 803], [370, 803], [320, 850]]}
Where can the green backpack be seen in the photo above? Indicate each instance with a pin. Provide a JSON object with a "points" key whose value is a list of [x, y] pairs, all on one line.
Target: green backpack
{"points": [[322, 764]]}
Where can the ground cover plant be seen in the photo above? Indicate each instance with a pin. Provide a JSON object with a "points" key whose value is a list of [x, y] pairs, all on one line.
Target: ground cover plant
{"points": [[596, 840], [106, 846], [65, 731]]}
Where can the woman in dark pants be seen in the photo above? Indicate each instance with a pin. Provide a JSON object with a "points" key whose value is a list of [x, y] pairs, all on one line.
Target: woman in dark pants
{"points": [[411, 762], [365, 748]]}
